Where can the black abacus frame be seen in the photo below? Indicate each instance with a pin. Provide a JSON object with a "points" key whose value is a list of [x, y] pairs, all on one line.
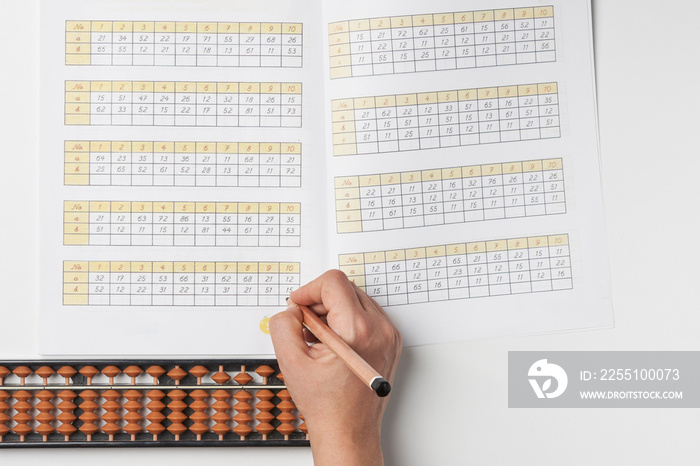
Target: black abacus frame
{"points": [[165, 383]]}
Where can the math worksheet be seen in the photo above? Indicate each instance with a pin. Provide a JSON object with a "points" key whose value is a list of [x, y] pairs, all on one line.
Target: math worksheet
{"points": [[200, 160]]}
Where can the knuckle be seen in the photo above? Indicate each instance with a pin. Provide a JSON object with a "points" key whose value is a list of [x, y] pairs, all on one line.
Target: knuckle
{"points": [[336, 275]]}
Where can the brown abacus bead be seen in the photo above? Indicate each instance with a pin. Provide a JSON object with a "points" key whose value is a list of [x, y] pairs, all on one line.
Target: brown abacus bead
{"points": [[67, 372], [132, 417], [177, 417], [45, 372], [177, 374], [264, 372], [280, 376], [4, 418], [199, 372], [243, 378], [110, 417], [88, 406], [199, 417], [155, 417], [286, 417], [45, 418], [4, 371], [89, 372], [221, 377], [66, 417], [221, 417], [302, 426], [155, 372], [22, 372], [242, 417], [111, 372], [22, 418], [264, 416], [133, 372]]}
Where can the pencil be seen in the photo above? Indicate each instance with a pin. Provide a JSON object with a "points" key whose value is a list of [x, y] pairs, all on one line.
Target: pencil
{"points": [[355, 363]]}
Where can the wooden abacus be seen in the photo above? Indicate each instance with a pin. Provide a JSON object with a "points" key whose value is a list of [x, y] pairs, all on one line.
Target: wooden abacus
{"points": [[147, 403]]}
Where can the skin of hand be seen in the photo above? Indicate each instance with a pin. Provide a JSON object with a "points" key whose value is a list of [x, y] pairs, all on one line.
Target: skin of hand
{"points": [[343, 415]]}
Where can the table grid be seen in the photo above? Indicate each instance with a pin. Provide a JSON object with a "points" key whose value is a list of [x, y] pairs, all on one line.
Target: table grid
{"points": [[112, 283], [149, 43], [153, 163], [151, 103], [115, 223], [462, 270], [442, 41], [370, 125], [450, 195]]}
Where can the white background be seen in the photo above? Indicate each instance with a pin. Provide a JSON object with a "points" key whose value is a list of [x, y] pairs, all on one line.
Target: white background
{"points": [[450, 401]]}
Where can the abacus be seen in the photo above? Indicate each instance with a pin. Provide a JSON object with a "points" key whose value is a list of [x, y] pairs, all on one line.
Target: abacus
{"points": [[147, 403]]}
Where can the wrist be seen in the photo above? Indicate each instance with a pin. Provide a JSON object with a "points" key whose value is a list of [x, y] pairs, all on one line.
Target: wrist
{"points": [[346, 446]]}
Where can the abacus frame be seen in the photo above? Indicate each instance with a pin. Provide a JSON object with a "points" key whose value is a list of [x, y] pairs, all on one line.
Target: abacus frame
{"points": [[252, 383]]}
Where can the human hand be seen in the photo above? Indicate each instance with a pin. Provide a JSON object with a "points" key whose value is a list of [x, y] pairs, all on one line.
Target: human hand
{"points": [[343, 415]]}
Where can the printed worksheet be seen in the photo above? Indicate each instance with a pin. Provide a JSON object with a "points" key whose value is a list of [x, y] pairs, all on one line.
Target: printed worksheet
{"points": [[202, 161]]}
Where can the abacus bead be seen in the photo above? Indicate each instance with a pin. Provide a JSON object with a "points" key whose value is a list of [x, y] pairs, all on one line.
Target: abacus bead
{"points": [[221, 377], [242, 396], [111, 372], [177, 374], [280, 376], [22, 372], [155, 372], [243, 378], [4, 417], [89, 372], [199, 372], [133, 372], [264, 372], [286, 428], [3, 373], [45, 372], [67, 372]]}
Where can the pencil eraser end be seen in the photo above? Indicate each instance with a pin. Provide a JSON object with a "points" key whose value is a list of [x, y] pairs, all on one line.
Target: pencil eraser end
{"points": [[381, 386]]}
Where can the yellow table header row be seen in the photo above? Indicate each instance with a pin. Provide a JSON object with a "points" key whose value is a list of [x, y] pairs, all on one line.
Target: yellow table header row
{"points": [[73, 267], [438, 19], [183, 87], [448, 173], [355, 262], [183, 147], [182, 207], [444, 96], [183, 27]]}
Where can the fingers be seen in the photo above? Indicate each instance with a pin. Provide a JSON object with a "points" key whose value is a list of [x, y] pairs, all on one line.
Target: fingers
{"points": [[333, 290], [287, 334]]}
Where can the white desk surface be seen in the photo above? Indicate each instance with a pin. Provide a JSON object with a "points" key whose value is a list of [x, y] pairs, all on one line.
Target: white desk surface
{"points": [[450, 401]]}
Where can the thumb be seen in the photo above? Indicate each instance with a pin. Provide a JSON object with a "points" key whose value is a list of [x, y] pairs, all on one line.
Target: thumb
{"points": [[287, 334]]}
